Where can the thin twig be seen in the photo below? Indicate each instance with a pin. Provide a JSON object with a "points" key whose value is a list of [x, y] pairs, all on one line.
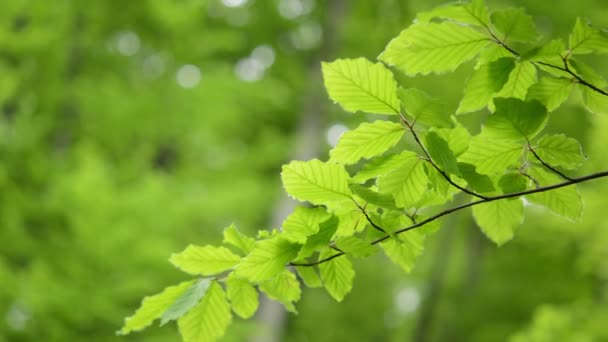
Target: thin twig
{"points": [[435, 166], [369, 218], [471, 204], [545, 164]]}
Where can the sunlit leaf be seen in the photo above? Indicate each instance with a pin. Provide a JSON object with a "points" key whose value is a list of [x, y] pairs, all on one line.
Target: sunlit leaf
{"points": [[242, 295], [514, 24], [551, 91], [303, 222], [337, 274], [208, 320], [267, 259], [424, 108], [586, 39], [316, 182], [360, 85], [284, 288], [559, 150], [366, 141], [499, 219], [205, 260], [186, 301], [484, 83]]}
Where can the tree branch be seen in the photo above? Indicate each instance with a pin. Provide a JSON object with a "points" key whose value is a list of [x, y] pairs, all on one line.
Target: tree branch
{"points": [[435, 166], [467, 205], [377, 227], [545, 164]]}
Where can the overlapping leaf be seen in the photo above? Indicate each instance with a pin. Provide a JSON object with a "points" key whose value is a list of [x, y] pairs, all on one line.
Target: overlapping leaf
{"points": [[209, 319], [515, 119], [316, 182], [564, 201], [551, 91], [303, 222], [337, 275], [522, 77], [285, 288], [491, 156], [360, 85], [267, 259], [559, 150], [499, 219], [473, 13], [366, 141], [205, 260], [586, 39], [186, 301], [514, 24], [424, 108], [425, 48], [381, 166], [242, 295], [407, 183], [484, 84]]}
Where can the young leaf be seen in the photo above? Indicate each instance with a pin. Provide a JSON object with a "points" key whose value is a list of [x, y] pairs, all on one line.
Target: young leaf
{"points": [[491, 156], [233, 237], [407, 183], [360, 85], [441, 154], [586, 39], [457, 138], [514, 24], [356, 247], [205, 260], [565, 201], [381, 166], [424, 108], [425, 48], [242, 295], [316, 182], [499, 219], [477, 182], [208, 320], [403, 250], [303, 222], [366, 141], [373, 197], [559, 150], [550, 91], [473, 13], [594, 102], [285, 288], [484, 83], [515, 119], [186, 301], [309, 276], [337, 275], [267, 259], [321, 239], [513, 182], [153, 307], [522, 77]]}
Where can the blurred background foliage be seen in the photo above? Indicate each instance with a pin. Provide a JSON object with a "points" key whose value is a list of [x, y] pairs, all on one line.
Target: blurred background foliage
{"points": [[129, 129]]}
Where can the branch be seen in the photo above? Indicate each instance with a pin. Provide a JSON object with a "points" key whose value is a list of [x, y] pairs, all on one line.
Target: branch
{"points": [[545, 164], [368, 218], [435, 166], [470, 204], [565, 68]]}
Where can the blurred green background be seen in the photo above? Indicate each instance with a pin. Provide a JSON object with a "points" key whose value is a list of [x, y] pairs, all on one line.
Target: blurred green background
{"points": [[129, 129]]}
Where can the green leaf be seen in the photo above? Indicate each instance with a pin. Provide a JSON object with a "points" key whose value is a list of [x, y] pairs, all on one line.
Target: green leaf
{"points": [[499, 219], [515, 119], [594, 102], [360, 85], [356, 247], [381, 166], [479, 183], [233, 237], [514, 24], [309, 276], [425, 48], [284, 288], [186, 301], [303, 222], [522, 77], [484, 83], [321, 239], [153, 307], [337, 274], [441, 154], [491, 156], [373, 197], [208, 320], [473, 13], [423, 108], [559, 150], [407, 183], [404, 248], [205, 260], [267, 259], [457, 138], [513, 182], [316, 182], [366, 141], [565, 201], [586, 39], [242, 295], [550, 91]]}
